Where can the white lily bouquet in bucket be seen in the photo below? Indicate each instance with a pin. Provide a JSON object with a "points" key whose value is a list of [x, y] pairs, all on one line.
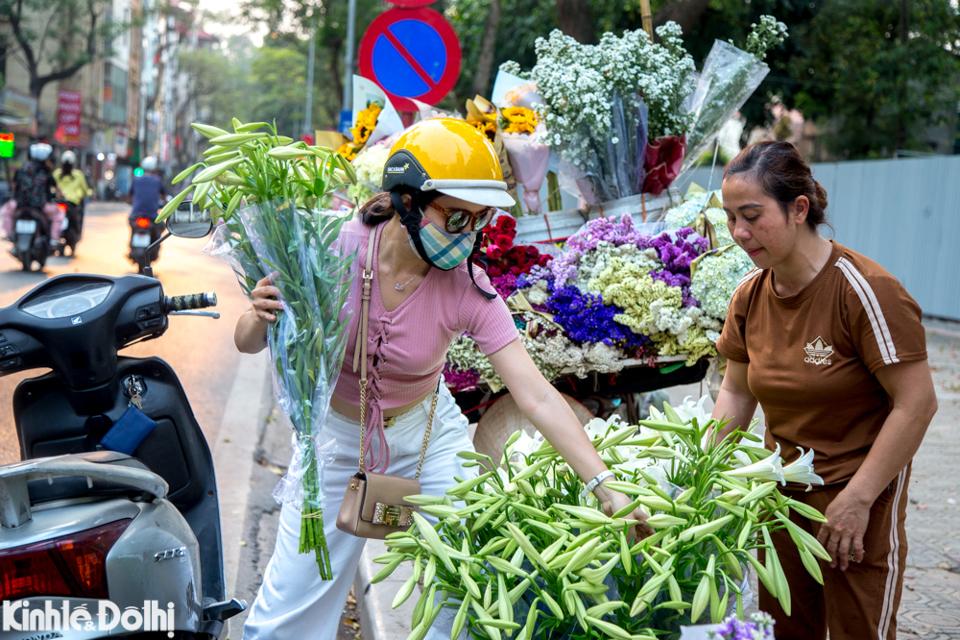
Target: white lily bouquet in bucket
{"points": [[518, 551], [270, 195]]}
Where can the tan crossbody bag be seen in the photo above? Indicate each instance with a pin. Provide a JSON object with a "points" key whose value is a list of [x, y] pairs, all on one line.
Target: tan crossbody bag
{"points": [[373, 505]]}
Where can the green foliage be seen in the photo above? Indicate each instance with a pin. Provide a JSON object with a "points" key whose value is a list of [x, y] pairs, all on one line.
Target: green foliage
{"points": [[881, 75], [57, 38]]}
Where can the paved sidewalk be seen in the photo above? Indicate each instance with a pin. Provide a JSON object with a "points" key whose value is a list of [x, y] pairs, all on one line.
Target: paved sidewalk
{"points": [[930, 609]]}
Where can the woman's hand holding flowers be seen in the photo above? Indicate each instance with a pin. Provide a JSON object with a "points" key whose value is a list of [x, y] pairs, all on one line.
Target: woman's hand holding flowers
{"points": [[612, 501], [266, 300]]}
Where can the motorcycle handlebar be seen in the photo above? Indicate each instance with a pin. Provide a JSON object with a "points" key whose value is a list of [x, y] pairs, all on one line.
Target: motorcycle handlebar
{"points": [[190, 301]]}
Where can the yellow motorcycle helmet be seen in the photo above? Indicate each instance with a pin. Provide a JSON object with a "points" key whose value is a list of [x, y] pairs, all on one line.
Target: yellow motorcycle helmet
{"points": [[448, 156]]}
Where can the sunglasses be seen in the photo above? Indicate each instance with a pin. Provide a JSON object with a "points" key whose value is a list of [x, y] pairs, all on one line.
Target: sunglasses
{"points": [[458, 220]]}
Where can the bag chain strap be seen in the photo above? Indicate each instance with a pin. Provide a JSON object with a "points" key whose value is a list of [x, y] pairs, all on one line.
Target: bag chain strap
{"points": [[361, 339]]}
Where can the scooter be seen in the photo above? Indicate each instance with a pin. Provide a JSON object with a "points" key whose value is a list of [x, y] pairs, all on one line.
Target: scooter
{"points": [[70, 231], [144, 248], [107, 533], [31, 238]]}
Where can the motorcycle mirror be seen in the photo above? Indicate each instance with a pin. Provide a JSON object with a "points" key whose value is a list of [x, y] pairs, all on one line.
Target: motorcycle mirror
{"points": [[189, 221]]}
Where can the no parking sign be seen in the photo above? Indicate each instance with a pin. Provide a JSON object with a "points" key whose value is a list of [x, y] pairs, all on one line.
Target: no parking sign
{"points": [[412, 53]]}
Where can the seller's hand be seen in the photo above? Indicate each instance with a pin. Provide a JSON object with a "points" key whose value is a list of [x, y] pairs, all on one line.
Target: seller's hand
{"points": [[612, 501], [842, 533], [266, 299]]}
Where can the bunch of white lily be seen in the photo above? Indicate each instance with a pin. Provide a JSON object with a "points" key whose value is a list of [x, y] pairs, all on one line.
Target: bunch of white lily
{"points": [[520, 552]]}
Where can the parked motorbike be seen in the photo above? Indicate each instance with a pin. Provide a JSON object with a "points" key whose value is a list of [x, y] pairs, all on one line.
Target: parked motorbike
{"points": [[107, 512], [71, 230], [31, 238], [144, 245]]}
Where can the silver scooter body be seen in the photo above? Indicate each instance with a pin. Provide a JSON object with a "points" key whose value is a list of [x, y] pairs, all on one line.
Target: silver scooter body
{"points": [[155, 559], [153, 516]]}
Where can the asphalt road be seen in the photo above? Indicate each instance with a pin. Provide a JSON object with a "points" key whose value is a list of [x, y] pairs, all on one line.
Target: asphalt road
{"points": [[200, 350]]}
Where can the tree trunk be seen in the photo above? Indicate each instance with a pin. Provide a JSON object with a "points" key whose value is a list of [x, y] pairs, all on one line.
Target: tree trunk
{"points": [[904, 31], [576, 20], [481, 79], [39, 82], [686, 13], [336, 53]]}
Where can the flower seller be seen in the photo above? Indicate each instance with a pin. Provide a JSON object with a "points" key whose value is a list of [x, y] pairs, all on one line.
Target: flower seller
{"points": [[442, 183], [832, 347]]}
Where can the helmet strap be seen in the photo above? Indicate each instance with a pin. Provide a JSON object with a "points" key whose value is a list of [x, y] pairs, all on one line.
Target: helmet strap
{"points": [[476, 248], [410, 219]]}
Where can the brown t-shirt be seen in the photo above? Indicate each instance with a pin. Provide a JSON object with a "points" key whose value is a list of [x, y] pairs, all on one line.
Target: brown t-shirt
{"points": [[811, 356]]}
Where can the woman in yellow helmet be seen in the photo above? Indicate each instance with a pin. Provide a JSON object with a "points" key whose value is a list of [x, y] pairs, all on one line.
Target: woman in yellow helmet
{"points": [[441, 185]]}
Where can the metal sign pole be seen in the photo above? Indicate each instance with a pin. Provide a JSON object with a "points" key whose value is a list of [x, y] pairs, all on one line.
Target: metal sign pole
{"points": [[308, 108], [348, 56]]}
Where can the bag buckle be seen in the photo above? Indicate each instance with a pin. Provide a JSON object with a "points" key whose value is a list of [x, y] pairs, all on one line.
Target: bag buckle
{"points": [[392, 515]]}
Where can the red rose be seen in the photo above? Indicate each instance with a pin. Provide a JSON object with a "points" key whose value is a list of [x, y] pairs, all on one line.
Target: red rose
{"points": [[661, 162], [545, 259], [494, 270], [494, 252], [504, 242], [506, 223]]}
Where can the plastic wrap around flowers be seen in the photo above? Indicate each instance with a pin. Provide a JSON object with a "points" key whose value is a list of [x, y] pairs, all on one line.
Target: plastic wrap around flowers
{"points": [[617, 292]]}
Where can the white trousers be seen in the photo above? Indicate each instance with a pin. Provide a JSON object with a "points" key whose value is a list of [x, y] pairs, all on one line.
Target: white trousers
{"points": [[293, 603]]}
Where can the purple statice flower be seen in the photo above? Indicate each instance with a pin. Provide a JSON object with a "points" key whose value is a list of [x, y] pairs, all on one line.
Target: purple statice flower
{"points": [[676, 251], [563, 268], [733, 629], [535, 275], [585, 318], [505, 285], [458, 380], [615, 231]]}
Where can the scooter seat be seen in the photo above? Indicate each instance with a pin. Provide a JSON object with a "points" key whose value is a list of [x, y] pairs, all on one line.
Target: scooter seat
{"points": [[64, 488]]}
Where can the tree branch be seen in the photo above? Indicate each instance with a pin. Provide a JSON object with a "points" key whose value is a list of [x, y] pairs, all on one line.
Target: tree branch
{"points": [[43, 38], [22, 40], [39, 82], [481, 78]]}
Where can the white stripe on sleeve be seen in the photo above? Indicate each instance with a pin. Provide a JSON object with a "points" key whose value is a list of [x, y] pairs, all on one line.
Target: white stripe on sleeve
{"points": [[872, 307]]}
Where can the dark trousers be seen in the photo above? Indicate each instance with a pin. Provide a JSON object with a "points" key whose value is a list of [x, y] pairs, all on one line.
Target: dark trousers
{"points": [[857, 604]]}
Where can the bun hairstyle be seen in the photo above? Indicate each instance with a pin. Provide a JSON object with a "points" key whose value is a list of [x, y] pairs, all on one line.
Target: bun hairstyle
{"points": [[379, 208], [783, 175]]}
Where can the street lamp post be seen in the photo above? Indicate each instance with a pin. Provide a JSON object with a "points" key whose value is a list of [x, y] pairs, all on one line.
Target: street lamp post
{"points": [[348, 57], [308, 108]]}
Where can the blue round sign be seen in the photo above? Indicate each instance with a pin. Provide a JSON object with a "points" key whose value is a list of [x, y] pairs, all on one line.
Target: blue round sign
{"points": [[411, 53]]}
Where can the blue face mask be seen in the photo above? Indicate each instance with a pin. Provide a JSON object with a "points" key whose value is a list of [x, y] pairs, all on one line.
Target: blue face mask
{"points": [[442, 249]]}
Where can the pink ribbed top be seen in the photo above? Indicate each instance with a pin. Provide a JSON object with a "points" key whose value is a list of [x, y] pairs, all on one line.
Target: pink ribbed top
{"points": [[407, 346]]}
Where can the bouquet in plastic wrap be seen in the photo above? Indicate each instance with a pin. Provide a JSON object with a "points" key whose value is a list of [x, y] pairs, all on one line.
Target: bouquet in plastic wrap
{"points": [[602, 103], [270, 194], [729, 76]]}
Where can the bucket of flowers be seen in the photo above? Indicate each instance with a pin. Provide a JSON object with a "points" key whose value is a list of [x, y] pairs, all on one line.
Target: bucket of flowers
{"points": [[644, 303]]}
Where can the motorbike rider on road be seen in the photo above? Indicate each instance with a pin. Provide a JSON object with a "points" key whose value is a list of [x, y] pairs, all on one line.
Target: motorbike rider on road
{"points": [[147, 191], [72, 184], [33, 187]]}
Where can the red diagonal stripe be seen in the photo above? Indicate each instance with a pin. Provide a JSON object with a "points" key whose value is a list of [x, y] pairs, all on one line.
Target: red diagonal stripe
{"points": [[409, 58]]}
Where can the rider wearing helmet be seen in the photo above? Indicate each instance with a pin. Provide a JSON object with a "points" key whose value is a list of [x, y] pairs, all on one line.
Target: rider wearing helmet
{"points": [[73, 186], [442, 184], [33, 188], [70, 180], [147, 190]]}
